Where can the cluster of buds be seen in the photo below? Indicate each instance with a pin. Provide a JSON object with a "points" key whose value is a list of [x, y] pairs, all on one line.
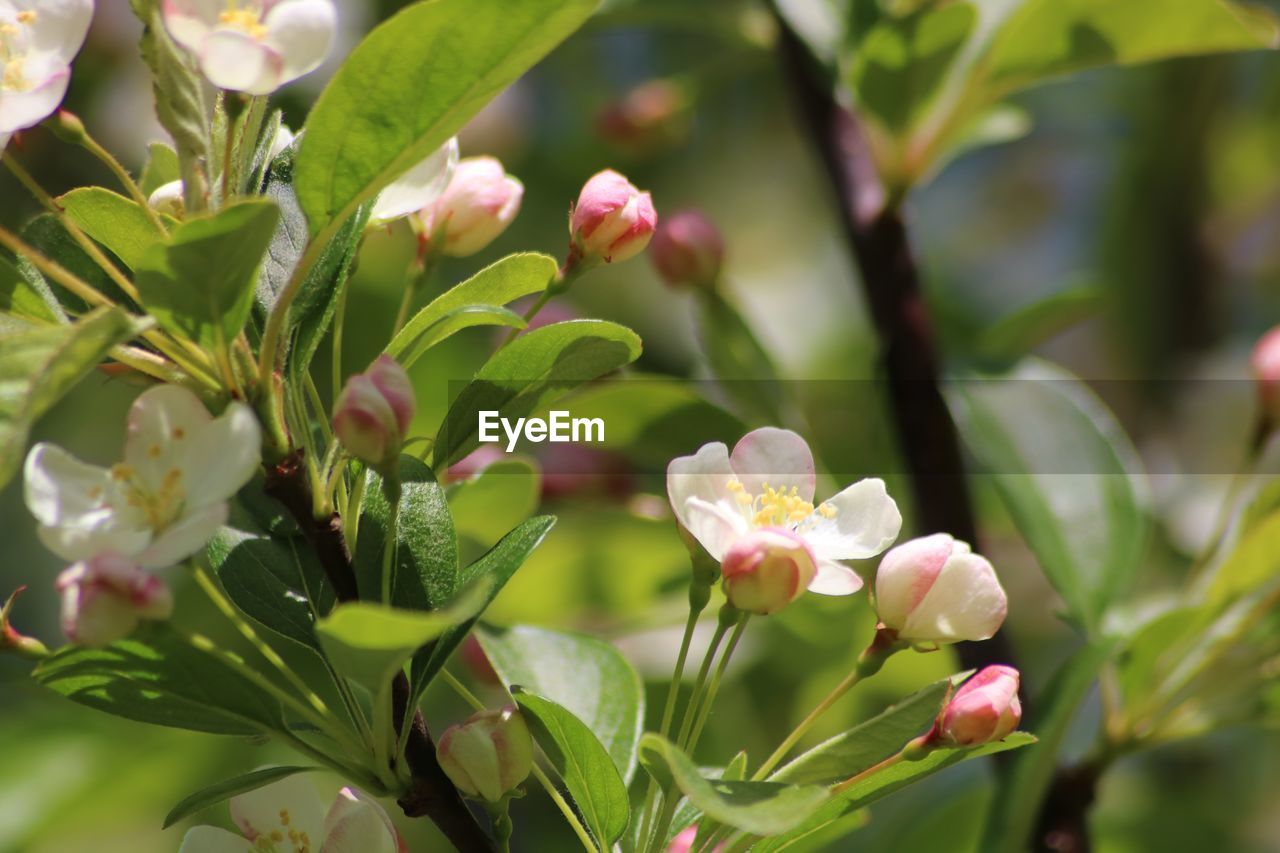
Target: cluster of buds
{"points": [[373, 413], [488, 755]]}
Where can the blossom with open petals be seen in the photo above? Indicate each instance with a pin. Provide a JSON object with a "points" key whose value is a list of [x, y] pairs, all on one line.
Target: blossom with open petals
{"points": [[417, 188], [289, 816], [253, 46], [168, 496], [767, 483], [105, 597], [38, 40]]}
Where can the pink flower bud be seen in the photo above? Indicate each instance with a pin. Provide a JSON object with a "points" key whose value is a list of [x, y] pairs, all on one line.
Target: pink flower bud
{"points": [[688, 250], [984, 709], [477, 206], [13, 640], [766, 570], [1265, 362], [105, 597], [612, 221], [373, 412], [652, 115], [488, 755], [935, 590], [685, 839]]}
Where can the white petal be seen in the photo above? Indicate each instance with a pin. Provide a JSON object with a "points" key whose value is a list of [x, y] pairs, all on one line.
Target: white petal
{"points": [[906, 574], [418, 187], [187, 536], [357, 824], [235, 60], [966, 602], [866, 522], [191, 21], [161, 422], [60, 27], [93, 534], [222, 456], [301, 31], [715, 526], [211, 839], [835, 579], [28, 108], [775, 456], [60, 488], [704, 475], [292, 799]]}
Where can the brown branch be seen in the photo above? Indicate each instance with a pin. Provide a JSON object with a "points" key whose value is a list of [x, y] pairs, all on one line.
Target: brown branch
{"points": [[433, 795]]}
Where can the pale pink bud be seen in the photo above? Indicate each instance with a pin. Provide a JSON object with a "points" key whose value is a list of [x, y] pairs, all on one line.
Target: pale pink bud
{"points": [[688, 250], [984, 709], [374, 411], [935, 590], [1265, 362], [105, 597], [612, 221], [654, 114], [488, 755], [477, 206], [766, 570]]}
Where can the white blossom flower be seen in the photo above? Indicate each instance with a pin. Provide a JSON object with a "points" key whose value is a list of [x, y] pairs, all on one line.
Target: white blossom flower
{"points": [[768, 483], [253, 46], [417, 188], [38, 40], [168, 496], [289, 816]]}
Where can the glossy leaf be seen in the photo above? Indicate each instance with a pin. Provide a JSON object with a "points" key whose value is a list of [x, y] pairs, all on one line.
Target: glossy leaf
{"points": [[411, 84], [116, 222], [529, 373], [868, 743], [158, 678], [424, 572], [588, 677], [1067, 474], [40, 365], [476, 301], [760, 808], [228, 788], [200, 285], [582, 762], [494, 569]]}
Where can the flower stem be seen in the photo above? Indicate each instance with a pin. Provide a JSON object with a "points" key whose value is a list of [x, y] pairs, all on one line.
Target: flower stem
{"points": [[88, 143], [565, 809], [705, 710], [421, 271]]}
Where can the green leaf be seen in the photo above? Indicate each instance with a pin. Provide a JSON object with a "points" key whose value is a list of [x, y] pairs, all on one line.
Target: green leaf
{"points": [[40, 365], [495, 568], [116, 222], [369, 642], [158, 678], [495, 500], [531, 372], [228, 788], [868, 743], [885, 782], [760, 808], [739, 361], [582, 762], [424, 572], [47, 236], [589, 677], [161, 168], [27, 298], [1254, 561], [1067, 474], [411, 84], [1048, 38], [277, 581], [1025, 780], [476, 301], [200, 285], [1019, 332]]}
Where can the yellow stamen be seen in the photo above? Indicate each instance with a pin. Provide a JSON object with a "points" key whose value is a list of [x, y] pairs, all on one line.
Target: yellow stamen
{"points": [[27, 17]]}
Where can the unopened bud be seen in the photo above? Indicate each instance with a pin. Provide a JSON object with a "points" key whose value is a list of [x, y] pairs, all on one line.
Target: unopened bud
{"points": [[653, 115], [766, 570], [478, 205], [105, 597], [935, 590], [168, 199], [612, 221], [68, 127], [984, 709], [1265, 362], [688, 250], [10, 639], [488, 755], [373, 412]]}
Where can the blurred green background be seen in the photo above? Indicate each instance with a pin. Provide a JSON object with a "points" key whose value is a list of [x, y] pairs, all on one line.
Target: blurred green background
{"points": [[1157, 188]]}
